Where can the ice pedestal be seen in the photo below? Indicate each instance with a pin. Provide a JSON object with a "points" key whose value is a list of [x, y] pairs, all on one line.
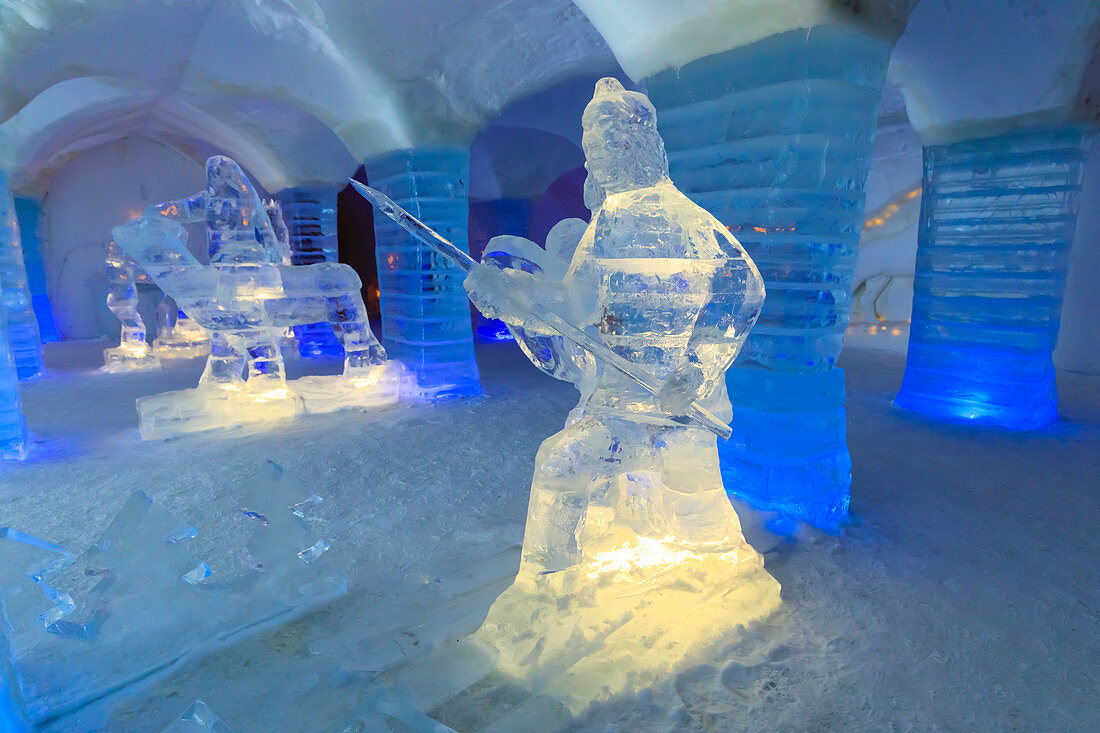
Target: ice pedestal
{"points": [[997, 222], [13, 429], [425, 314], [489, 219], [23, 337], [154, 591], [310, 217], [775, 139]]}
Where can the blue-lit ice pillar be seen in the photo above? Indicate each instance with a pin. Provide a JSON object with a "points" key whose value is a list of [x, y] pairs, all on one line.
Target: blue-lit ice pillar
{"points": [[28, 212], [775, 139], [26, 346], [13, 430], [310, 217], [487, 220], [425, 313], [997, 220]]}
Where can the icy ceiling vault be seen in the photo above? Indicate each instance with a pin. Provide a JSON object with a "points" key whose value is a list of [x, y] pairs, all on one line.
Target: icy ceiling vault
{"points": [[299, 91]]}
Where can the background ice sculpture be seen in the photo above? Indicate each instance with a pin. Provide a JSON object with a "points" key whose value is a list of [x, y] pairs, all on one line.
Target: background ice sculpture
{"points": [[632, 553], [26, 345], [143, 600], [133, 352], [178, 337], [246, 298]]}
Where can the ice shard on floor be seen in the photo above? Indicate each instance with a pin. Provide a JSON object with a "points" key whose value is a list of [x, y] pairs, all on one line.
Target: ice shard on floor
{"points": [[775, 138], [133, 352], [143, 599], [25, 341], [246, 298], [425, 315], [997, 221], [633, 556], [198, 718]]}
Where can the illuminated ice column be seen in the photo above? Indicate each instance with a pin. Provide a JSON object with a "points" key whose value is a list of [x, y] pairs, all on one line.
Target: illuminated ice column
{"points": [[425, 313], [28, 212], [26, 346], [13, 430], [487, 220], [775, 139], [310, 217], [997, 219]]}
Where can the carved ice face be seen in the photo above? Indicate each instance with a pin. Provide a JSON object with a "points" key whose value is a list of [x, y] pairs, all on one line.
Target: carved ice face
{"points": [[622, 148]]}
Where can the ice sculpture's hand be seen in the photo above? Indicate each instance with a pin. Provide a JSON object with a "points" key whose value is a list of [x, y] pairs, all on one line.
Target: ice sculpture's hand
{"points": [[681, 389], [493, 290]]}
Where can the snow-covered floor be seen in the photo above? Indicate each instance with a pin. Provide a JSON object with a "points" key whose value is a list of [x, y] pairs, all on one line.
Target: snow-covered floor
{"points": [[965, 595]]}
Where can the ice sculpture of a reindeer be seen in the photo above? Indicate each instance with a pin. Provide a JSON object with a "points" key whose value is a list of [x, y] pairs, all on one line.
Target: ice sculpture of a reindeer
{"points": [[246, 297]]}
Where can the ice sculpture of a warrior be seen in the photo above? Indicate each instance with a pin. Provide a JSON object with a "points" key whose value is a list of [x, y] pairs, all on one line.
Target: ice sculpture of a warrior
{"points": [[633, 557]]}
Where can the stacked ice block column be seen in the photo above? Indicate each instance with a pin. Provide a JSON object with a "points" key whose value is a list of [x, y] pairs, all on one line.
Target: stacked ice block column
{"points": [[425, 314], [26, 346], [310, 217], [489, 219], [775, 139], [13, 431], [28, 213], [997, 221]]}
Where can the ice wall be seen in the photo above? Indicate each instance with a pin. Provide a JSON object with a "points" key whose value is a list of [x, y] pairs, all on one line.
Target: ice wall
{"points": [[1078, 347], [310, 217], [775, 139], [998, 219], [26, 346], [425, 314]]}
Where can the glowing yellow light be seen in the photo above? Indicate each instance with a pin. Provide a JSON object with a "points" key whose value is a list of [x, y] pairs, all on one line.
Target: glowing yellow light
{"points": [[272, 394], [366, 381], [644, 553]]}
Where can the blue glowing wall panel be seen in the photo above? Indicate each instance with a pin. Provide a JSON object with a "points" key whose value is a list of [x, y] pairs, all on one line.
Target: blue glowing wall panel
{"points": [[310, 217], [28, 213], [775, 139], [997, 221], [23, 338], [425, 314], [489, 219]]}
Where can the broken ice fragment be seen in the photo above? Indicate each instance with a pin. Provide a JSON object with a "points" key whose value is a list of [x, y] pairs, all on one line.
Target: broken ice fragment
{"points": [[310, 554], [187, 533], [198, 717], [254, 515], [301, 507], [200, 573]]}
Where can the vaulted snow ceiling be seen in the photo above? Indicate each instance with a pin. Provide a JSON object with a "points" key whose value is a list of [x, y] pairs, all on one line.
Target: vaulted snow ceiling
{"points": [[299, 91]]}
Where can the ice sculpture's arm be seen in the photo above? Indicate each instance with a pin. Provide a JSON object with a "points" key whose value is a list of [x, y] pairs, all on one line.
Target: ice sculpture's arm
{"points": [[188, 210], [720, 329]]}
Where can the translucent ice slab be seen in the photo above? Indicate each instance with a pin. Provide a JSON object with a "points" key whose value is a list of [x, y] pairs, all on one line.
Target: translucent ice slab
{"points": [[141, 600]]}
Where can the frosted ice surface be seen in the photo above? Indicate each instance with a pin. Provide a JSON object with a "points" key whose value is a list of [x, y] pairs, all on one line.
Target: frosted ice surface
{"points": [[23, 333], [388, 709], [141, 598], [246, 299], [133, 353], [198, 718], [627, 503]]}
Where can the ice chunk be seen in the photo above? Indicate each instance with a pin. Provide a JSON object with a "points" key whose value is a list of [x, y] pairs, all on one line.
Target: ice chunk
{"points": [[247, 298], [633, 555], [197, 718]]}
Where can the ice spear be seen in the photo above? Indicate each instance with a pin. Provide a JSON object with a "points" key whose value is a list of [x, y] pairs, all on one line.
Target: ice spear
{"points": [[548, 317]]}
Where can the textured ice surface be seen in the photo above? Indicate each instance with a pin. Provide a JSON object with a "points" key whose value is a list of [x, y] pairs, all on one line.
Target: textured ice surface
{"points": [[133, 352], [631, 543], [775, 139], [23, 334], [198, 718], [178, 338], [140, 600], [997, 223], [13, 429], [425, 316], [246, 298]]}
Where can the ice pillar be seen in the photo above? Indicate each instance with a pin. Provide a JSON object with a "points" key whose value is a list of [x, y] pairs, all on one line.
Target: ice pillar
{"points": [[23, 339], [775, 139], [489, 219], [310, 217], [425, 315], [13, 431], [28, 212], [997, 220]]}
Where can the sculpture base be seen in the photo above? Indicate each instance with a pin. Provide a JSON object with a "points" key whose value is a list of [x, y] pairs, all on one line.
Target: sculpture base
{"points": [[210, 407], [181, 349], [632, 615], [120, 359]]}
